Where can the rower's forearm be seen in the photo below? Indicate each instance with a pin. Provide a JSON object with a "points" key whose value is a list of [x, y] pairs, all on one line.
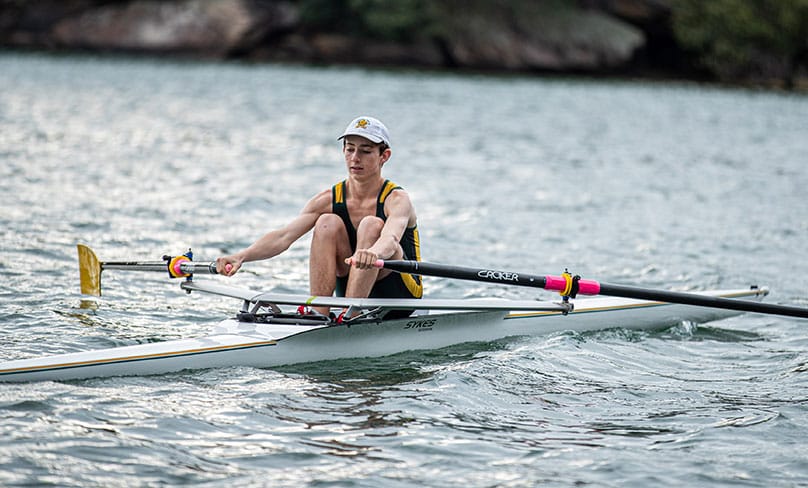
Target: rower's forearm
{"points": [[385, 247], [266, 247]]}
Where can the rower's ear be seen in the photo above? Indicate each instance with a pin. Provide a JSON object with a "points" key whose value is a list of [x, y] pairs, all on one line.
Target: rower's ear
{"points": [[386, 155]]}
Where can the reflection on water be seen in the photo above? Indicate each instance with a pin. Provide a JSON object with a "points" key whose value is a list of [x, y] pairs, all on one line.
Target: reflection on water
{"points": [[407, 367], [708, 332]]}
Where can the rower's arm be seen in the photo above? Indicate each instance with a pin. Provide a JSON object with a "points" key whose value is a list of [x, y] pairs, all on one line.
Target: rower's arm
{"points": [[401, 214], [277, 241]]}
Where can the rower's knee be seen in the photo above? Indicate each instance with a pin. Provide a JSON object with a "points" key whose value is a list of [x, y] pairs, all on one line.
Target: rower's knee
{"points": [[328, 226]]}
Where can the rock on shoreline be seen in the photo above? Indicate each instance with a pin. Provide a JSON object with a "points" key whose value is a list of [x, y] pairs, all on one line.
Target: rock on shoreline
{"points": [[588, 36]]}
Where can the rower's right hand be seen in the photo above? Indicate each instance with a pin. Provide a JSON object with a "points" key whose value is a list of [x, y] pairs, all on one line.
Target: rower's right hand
{"points": [[227, 265]]}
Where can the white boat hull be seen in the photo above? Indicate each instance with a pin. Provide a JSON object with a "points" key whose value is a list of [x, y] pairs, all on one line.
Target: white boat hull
{"points": [[235, 343]]}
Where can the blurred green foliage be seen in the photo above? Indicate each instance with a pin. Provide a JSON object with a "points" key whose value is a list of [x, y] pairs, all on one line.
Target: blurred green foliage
{"points": [[391, 20], [732, 39], [414, 20], [745, 38]]}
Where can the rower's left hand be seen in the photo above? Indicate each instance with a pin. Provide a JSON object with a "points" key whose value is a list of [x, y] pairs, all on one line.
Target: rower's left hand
{"points": [[362, 259]]}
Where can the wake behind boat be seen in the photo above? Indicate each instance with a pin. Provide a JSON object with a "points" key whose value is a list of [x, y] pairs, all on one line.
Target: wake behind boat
{"points": [[270, 330]]}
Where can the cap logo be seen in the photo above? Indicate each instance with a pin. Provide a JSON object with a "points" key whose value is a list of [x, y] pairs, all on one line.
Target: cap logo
{"points": [[362, 124]]}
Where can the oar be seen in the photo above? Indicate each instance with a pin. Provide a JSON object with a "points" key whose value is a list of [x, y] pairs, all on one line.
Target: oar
{"points": [[90, 268], [570, 286]]}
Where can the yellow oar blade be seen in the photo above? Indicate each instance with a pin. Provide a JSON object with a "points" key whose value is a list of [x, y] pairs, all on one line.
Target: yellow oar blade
{"points": [[89, 271]]}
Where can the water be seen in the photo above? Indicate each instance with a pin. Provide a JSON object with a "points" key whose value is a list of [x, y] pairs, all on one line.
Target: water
{"points": [[661, 185]]}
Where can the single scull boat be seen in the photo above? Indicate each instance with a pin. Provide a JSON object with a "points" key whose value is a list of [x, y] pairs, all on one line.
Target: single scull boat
{"points": [[266, 332]]}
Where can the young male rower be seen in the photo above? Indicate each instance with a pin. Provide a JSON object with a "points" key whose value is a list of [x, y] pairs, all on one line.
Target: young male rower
{"points": [[356, 222]]}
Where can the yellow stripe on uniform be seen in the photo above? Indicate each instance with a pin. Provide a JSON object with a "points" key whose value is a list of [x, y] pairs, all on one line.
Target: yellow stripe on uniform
{"points": [[415, 288], [389, 187], [339, 192], [417, 242]]}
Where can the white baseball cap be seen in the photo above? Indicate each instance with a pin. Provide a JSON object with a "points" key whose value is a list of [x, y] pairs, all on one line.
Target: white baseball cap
{"points": [[368, 127]]}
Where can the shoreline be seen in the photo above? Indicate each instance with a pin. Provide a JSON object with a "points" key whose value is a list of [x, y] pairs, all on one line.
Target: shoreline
{"points": [[635, 75]]}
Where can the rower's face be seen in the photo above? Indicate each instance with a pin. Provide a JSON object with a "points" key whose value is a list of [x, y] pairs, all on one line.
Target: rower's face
{"points": [[362, 156]]}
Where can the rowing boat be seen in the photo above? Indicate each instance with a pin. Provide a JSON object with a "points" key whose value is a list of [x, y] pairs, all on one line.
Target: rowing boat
{"points": [[263, 335], [274, 329]]}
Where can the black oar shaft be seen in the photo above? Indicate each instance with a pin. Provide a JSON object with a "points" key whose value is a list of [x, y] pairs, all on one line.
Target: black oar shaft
{"points": [[591, 287], [700, 300]]}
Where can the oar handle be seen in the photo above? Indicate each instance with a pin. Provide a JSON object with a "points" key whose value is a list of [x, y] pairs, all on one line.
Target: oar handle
{"points": [[196, 268], [190, 267]]}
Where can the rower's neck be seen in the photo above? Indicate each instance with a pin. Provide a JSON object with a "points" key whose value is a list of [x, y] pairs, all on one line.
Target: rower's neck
{"points": [[365, 188]]}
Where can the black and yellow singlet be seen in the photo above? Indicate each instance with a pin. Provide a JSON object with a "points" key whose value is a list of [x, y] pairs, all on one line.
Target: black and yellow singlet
{"points": [[395, 285]]}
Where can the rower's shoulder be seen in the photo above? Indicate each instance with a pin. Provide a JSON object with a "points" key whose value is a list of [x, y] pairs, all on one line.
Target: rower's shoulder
{"points": [[398, 193], [326, 192], [320, 202], [398, 202]]}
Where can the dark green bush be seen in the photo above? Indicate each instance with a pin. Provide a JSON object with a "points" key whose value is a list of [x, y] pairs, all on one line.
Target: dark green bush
{"points": [[737, 39]]}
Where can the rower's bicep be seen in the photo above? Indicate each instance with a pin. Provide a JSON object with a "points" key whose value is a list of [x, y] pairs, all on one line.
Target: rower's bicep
{"points": [[307, 218]]}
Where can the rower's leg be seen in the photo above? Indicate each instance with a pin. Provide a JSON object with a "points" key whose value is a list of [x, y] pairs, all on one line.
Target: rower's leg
{"points": [[329, 249], [361, 281]]}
